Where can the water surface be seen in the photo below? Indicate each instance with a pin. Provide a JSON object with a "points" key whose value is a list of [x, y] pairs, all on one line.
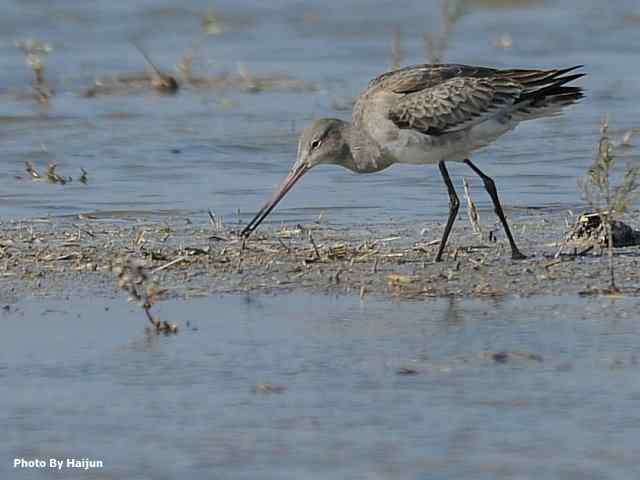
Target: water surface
{"points": [[82, 380], [226, 150]]}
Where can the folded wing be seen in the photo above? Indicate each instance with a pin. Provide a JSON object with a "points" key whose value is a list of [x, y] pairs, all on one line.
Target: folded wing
{"points": [[436, 101], [455, 104]]}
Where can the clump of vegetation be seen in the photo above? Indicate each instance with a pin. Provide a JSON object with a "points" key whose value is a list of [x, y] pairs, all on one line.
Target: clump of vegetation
{"points": [[54, 177], [133, 279], [610, 201], [34, 51], [51, 175]]}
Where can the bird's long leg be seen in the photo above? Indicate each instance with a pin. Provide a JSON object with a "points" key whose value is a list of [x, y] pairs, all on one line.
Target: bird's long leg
{"points": [[493, 193], [454, 204]]}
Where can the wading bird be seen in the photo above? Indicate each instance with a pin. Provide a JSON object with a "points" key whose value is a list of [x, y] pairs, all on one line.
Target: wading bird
{"points": [[430, 114]]}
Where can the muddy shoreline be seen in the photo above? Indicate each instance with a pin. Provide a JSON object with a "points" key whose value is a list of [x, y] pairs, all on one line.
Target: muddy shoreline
{"points": [[75, 256]]}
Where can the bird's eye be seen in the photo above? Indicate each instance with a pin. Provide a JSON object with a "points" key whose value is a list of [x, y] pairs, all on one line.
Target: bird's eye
{"points": [[315, 144]]}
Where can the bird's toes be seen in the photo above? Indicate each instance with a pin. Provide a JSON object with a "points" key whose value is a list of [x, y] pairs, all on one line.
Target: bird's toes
{"points": [[518, 255]]}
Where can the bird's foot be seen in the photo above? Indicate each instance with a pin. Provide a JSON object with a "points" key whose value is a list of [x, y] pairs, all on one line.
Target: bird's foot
{"points": [[517, 255]]}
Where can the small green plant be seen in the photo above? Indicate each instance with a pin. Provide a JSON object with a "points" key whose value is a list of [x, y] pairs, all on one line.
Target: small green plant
{"points": [[608, 200]]}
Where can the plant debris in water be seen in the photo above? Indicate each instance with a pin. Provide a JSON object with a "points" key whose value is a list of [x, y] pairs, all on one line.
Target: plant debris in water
{"points": [[267, 388], [34, 51], [127, 84], [52, 175], [508, 357], [160, 81], [133, 279]]}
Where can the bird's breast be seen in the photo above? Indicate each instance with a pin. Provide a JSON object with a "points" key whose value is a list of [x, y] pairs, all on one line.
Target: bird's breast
{"points": [[369, 160]]}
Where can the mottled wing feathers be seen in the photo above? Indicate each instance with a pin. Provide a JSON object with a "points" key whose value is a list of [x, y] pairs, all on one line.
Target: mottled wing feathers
{"points": [[437, 99], [454, 104], [418, 77]]}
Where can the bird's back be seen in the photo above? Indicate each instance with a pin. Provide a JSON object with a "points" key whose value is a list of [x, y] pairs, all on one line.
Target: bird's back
{"points": [[411, 79], [536, 88]]}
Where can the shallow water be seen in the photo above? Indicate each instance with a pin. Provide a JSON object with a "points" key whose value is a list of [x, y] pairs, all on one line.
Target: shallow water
{"points": [[82, 380], [226, 150]]}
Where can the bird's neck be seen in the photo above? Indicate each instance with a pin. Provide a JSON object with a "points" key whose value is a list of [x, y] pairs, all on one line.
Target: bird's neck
{"points": [[362, 154]]}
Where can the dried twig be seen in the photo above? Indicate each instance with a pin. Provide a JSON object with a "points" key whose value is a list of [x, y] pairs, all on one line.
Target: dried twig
{"points": [[216, 221], [315, 247], [472, 211], [159, 80], [185, 62], [169, 264], [286, 247]]}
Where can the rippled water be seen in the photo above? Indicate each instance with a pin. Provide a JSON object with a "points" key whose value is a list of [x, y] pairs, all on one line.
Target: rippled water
{"points": [[226, 150], [81, 380]]}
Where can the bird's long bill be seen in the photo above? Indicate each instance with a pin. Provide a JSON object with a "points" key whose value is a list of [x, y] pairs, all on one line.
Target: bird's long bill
{"points": [[284, 187]]}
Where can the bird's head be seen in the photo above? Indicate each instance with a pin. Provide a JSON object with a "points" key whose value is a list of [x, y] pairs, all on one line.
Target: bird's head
{"points": [[322, 142]]}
